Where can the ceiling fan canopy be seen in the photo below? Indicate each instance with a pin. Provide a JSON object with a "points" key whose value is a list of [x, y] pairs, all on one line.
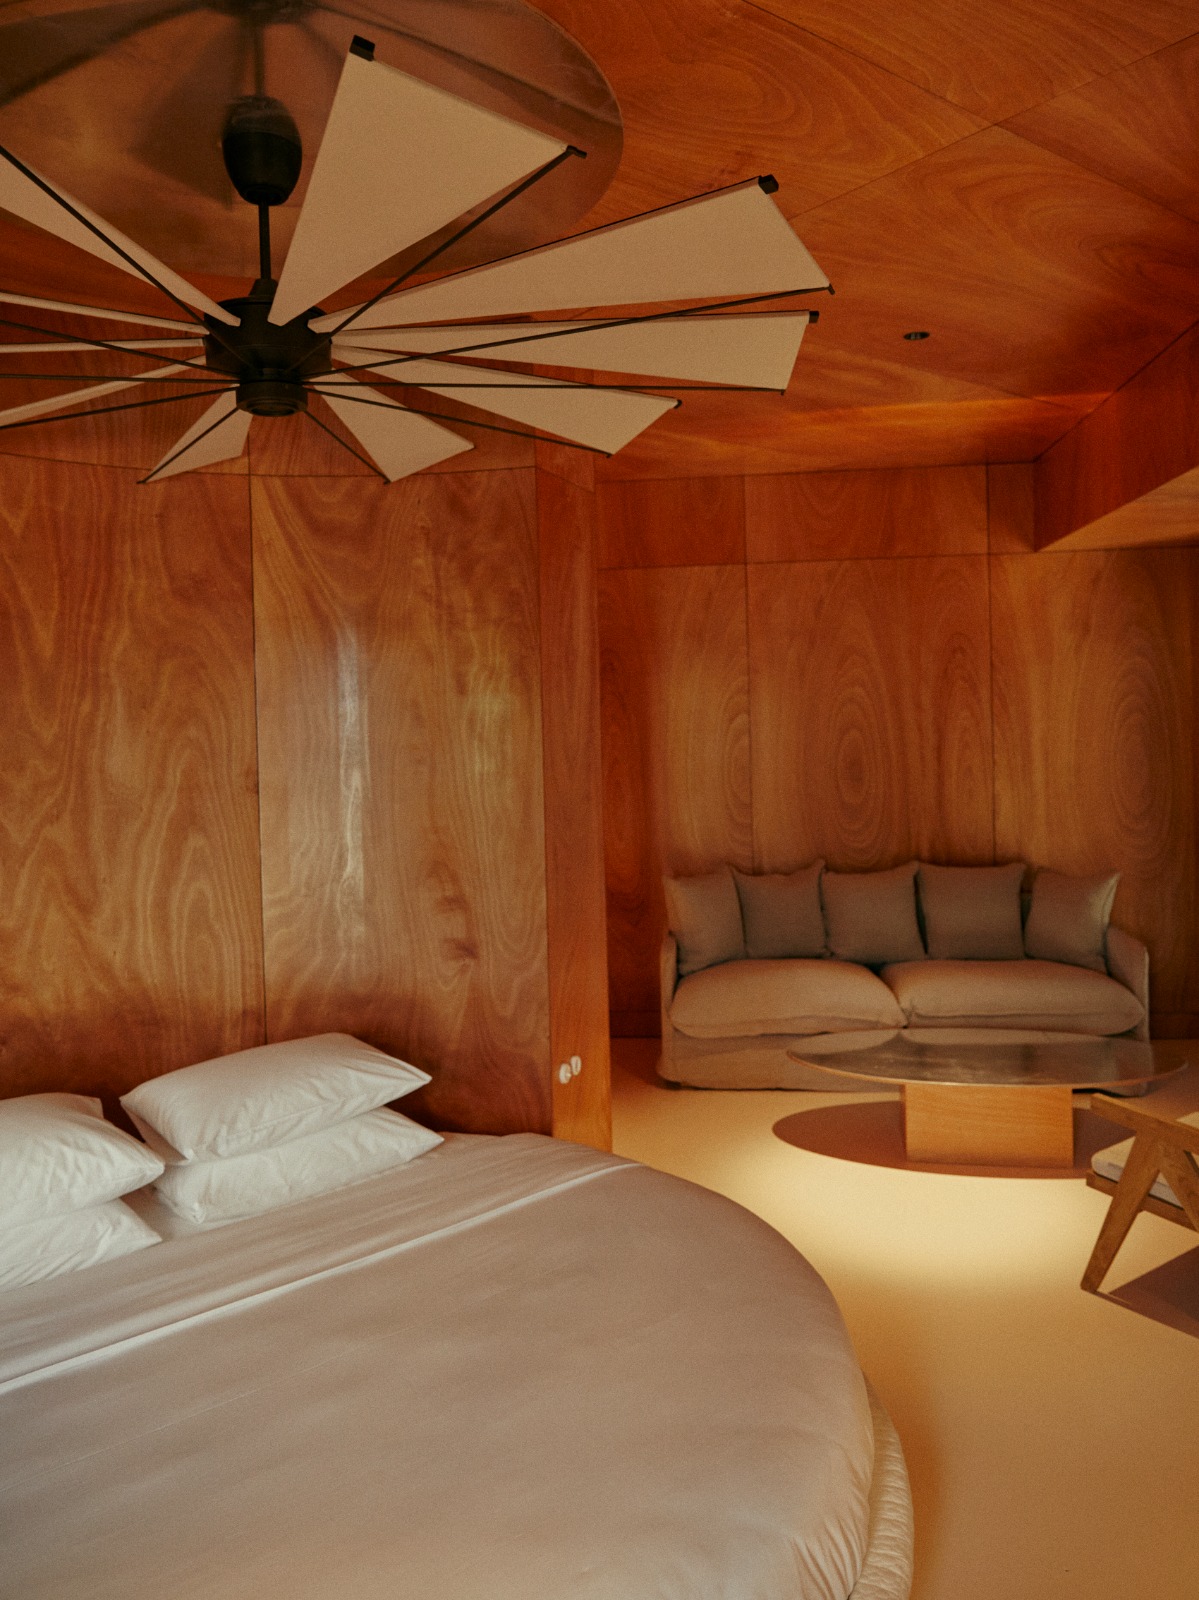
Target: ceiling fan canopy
{"points": [[401, 164]]}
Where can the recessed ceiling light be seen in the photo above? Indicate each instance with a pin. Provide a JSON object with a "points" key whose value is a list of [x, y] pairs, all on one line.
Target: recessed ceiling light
{"points": [[919, 333]]}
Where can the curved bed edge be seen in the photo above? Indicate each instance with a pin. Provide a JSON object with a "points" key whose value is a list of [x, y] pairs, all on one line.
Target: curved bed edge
{"points": [[887, 1570]]}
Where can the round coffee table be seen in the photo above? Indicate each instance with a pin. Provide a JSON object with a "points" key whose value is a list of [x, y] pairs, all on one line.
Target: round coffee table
{"points": [[1000, 1103]]}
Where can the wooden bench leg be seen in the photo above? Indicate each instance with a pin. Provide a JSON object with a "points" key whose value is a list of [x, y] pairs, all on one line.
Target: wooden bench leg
{"points": [[1142, 1167]]}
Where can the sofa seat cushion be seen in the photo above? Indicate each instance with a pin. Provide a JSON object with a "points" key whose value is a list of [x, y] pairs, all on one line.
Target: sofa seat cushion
{"points": [[1012, 994], [741, 998]]}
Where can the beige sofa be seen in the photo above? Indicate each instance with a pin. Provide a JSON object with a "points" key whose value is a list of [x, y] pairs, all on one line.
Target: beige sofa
{"points": [[731, 1023]]}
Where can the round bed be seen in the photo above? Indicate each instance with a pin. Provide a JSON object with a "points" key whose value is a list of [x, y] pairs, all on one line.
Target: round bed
{"points": [[514, 1369]]}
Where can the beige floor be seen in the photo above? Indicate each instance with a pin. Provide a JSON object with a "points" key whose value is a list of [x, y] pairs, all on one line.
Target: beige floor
{"points": [[1052, 1438]]}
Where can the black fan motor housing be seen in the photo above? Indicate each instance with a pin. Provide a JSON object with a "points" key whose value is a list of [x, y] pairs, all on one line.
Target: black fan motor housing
{"points": [[262, 149], [268, 362]]}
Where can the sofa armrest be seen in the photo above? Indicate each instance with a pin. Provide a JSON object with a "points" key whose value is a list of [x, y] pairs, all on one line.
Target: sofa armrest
{"points": [[1128, 963], [668, 974]]}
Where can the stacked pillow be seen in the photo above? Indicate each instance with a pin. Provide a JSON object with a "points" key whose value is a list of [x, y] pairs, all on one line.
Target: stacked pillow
{"points": [[264, 1127], [63, 1169]]}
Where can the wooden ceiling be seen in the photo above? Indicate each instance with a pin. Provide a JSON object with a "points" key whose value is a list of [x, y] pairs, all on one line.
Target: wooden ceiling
{"points": [[1018, 180]]}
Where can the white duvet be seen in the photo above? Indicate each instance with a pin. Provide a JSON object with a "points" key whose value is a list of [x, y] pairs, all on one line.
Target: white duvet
{"points": [[514, 1370]]}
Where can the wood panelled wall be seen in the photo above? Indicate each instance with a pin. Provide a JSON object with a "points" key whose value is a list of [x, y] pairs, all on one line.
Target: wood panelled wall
{"points": [[871, 666], [274, 766], [130, 917]]}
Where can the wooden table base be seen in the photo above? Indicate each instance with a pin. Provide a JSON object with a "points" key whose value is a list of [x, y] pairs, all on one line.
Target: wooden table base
{"points": [[982, 1124]]}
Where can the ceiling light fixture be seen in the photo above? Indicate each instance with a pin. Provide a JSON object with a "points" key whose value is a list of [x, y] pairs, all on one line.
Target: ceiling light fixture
{"points": [[918, 333], [399, 161]]}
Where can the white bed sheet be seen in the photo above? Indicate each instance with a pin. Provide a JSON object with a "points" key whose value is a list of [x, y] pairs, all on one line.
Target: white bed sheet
{"points": [[513, 1370]]}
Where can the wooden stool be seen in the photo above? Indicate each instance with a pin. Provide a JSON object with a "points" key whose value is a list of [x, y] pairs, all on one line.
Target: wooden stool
{"points": [[1161, 1145]]}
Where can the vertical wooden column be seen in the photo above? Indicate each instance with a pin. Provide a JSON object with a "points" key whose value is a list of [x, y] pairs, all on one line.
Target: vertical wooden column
{"points": [[573, 788]]}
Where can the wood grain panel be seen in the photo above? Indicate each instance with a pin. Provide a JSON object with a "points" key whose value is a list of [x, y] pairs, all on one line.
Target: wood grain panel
{"points": [[400, 747], [671, 522], [715, 435], [1028, 50], [1011, 509], [869, 696], [1176, 1025], [561, 461], [991, 1125], [1138, 126], [829, 516], [711, 92], [675, 751], [130, 933], [829, 377], [1093, 664], [1032, 274], [1164, 516], [1143, 437], [574, 822]]}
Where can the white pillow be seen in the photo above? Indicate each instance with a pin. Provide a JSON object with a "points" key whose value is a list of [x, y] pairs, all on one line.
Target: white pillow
{"points": [[57, 1154], [263, 1097], [53, 1245], [243, 1186]]}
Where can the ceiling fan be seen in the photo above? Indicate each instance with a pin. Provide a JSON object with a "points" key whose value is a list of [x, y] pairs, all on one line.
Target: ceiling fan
{"points": [[400, 160]]}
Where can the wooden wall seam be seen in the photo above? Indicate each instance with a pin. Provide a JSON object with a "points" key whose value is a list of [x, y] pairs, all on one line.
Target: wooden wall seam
{"points": [[575, 923], [257, 753]]}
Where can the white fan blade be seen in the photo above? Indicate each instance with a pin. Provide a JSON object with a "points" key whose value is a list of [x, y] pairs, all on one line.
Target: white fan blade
{"points": [[399, 160], [40, 408], [165, 343], [603, 419], [399, 441], [756, 352], [103, 312], [219, 435], [23, 196], [729, 244]]}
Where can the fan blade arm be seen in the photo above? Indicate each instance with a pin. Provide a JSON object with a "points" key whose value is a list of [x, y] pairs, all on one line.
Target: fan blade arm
{"points": [[398, 440], [33, 198], [218, 435], [734, 242], [37, 408], [104, 313]]}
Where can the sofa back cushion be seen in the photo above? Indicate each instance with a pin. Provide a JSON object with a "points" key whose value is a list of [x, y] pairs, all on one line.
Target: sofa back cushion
{"points": [[972, 913], [1067, 920], [871, 916], [704, 914], [781, 913]]}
